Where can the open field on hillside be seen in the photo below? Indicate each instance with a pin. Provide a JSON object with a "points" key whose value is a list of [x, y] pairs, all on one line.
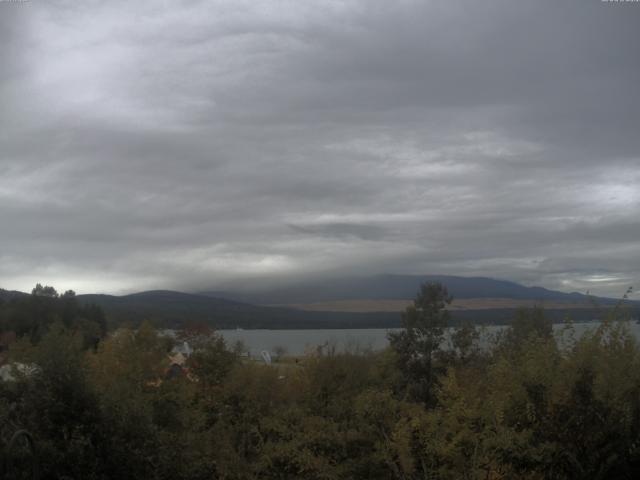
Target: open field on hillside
{"points": [[372, 305]]}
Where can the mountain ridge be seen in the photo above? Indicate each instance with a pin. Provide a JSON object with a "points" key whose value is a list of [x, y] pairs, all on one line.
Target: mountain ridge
{"points": [[283, 307], [399, 287]]}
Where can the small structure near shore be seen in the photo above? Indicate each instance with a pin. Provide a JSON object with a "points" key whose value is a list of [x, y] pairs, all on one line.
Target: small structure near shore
{"points": [[266, 356]]}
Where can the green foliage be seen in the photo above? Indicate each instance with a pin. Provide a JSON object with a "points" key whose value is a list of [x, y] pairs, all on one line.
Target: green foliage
{"points": [[212, 362], [526, 324], [44, 291], [417, 344], [527, 406], [32, 315], [57, 405]]}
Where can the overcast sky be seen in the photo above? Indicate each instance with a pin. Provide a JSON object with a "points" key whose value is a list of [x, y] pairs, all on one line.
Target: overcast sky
{"points": [[186, 144]]}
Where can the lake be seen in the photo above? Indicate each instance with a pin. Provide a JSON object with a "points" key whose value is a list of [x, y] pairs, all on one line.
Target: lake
{"points": [[297, 342]]}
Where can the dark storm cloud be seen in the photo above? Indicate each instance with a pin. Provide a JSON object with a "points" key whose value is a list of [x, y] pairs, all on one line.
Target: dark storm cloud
{"points": [[190, 144]]}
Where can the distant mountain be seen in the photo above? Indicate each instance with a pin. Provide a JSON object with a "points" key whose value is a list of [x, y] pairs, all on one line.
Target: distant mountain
{"points": [[172, 309], [307, 305], [9, 294], [169, 309], [400, 287]]}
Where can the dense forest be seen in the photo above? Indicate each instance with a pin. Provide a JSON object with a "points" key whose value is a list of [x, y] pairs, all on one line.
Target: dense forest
{"points": [[82, 402], [171, 309]]}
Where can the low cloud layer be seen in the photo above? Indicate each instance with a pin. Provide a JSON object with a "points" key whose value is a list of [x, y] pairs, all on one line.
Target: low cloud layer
{"points": [[193, 145]]}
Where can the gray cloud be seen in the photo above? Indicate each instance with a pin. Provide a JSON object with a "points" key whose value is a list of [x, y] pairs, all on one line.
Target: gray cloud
{"points": [[192, 144]]}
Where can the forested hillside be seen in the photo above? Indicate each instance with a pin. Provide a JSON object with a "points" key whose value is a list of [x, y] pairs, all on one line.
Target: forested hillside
{"points": [[170, 309], [173, 309], [531, 405], [395, 287]]}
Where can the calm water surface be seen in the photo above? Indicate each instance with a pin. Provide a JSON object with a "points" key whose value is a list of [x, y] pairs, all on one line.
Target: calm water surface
{"points": [[298, 342]]}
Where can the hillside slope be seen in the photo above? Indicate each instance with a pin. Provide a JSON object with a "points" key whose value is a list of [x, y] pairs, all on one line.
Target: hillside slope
{"points": [[172, 309], [399, 287], [364, 302], [9, 294]]}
